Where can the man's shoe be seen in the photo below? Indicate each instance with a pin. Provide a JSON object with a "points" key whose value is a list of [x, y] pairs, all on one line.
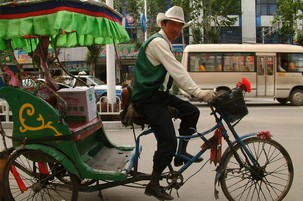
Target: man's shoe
{"points": [[178, 161], [158, 192]]}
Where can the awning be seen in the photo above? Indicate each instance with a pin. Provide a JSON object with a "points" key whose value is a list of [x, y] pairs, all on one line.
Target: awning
{"points": [[68, 23]]}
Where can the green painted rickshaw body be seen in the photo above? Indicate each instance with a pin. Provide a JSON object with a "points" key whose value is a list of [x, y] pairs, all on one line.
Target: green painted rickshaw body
{"points": [[37, 125]]}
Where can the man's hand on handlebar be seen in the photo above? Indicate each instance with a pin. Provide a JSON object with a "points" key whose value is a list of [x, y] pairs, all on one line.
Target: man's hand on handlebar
{"points": [[206, 95]]}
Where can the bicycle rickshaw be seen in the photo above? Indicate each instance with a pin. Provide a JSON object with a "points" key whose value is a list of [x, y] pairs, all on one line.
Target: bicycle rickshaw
{"points": [[53, 158]]}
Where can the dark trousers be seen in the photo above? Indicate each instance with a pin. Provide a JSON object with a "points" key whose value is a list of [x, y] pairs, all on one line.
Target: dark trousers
{"points": [[156, 114]]}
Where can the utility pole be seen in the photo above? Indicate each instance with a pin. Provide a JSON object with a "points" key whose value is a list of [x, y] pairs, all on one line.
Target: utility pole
{"points": [[110, 68], [145, 13]]}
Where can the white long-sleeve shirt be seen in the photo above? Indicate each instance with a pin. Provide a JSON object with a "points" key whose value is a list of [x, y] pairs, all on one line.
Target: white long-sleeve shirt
{"points": [[158, 52]]}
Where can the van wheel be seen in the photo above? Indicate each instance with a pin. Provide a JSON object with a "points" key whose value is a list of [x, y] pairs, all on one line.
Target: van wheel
{"points": [[296, 97], [283, 101]]}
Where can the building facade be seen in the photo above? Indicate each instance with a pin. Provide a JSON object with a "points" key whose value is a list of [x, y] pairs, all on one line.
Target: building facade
{"points": [[255, 24], [251, 27]]}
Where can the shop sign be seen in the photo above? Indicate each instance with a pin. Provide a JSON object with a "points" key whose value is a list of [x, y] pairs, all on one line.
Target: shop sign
{"points": [[77, 66], [125, 51], [22, 57]]}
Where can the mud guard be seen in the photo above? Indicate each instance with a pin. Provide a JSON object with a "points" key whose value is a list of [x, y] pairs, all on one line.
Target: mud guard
{"points": [[219, 169], [59, 156]]}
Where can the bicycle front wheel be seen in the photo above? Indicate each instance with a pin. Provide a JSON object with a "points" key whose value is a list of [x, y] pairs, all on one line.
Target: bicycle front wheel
{"points": [[28, 176], [269, 179]]}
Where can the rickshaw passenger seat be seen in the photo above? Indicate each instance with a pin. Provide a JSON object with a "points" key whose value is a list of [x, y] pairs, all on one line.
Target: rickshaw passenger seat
{"points": [[80, 130]]}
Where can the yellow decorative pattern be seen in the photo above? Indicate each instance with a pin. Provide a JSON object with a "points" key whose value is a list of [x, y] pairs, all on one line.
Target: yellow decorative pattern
{"points": [[30, 111]]}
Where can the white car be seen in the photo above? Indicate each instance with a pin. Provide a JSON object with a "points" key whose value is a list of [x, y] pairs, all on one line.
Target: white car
{"points": [[31, 83], [88, 80]]}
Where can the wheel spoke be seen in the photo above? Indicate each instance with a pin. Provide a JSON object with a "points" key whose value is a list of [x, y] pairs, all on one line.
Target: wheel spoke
{"points": [[268, 179], [44, 185]]}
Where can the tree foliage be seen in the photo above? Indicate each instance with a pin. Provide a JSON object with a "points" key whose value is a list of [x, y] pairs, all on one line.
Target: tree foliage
{"points": [[153, 8], [134, 8], [288, 12], [92, 57], [208, 16], [299, 40], [217, 14]]}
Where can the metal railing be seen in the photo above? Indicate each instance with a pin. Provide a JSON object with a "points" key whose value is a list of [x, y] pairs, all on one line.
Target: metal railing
{"points": [[103, 108], [5, 113]]}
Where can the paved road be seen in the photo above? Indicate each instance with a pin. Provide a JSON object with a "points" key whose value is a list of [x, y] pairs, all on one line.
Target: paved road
{"points": [[284, 122]]}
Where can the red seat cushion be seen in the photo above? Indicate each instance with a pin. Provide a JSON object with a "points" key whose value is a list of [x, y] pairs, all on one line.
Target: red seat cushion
{"points": [[83, 129]]}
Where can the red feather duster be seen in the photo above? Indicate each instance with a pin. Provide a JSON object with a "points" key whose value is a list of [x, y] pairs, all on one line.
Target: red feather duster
{"points": [[245, 85]]}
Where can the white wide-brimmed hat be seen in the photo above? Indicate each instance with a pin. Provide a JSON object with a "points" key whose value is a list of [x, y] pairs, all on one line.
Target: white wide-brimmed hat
{"points": [[175, 13]]}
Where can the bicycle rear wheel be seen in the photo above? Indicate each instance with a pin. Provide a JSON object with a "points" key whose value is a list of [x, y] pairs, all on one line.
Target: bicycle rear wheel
{"points": [[28, 176], [271, 179]]}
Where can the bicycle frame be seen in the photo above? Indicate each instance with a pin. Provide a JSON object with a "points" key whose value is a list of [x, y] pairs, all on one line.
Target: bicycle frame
{"points": [[219, 118]]}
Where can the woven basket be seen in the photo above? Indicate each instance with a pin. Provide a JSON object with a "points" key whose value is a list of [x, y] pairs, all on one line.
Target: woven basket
{"points": [[231, 105]]}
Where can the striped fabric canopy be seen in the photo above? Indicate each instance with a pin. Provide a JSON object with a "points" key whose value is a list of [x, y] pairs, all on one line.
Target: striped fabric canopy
{"points": [[69, 23]]}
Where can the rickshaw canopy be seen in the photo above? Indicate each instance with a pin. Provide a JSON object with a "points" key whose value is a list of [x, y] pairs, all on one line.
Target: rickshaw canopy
{"points": [[67, 23]]}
